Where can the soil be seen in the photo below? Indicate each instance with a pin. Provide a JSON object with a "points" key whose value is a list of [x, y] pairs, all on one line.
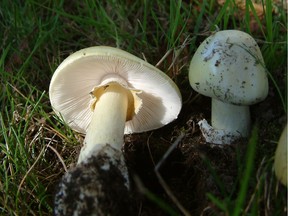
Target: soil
{"points": [[195, 168], [187, 170]]}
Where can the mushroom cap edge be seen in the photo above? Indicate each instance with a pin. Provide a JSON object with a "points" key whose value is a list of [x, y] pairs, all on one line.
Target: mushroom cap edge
{"points": [[162, 100]]}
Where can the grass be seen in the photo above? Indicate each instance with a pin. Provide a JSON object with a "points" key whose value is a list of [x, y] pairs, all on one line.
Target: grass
{"points": [[36, 36], [228, 206]]}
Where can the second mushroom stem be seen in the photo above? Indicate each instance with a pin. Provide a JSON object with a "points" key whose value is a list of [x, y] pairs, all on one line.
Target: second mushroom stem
{"points": [[108, 121], [231, 118]]}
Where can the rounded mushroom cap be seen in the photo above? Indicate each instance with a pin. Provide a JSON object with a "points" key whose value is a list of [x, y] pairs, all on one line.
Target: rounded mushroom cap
{"points": [[92, 67], [229, 66]]}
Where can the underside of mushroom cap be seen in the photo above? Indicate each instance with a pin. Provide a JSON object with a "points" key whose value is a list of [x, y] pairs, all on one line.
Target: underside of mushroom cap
{"points": [[88, 69]]}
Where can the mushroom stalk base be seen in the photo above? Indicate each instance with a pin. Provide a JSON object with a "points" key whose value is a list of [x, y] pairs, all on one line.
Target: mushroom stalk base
{"points": [[229, 123], [215, 136], [97, 186], [108, 122]]}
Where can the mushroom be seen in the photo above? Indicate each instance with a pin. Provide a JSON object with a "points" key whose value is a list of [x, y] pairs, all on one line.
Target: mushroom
{"points": [[105, 92], [228, 67], [280, 162]]}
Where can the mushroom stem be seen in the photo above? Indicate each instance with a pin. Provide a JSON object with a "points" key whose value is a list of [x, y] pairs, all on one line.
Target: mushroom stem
{"points": [[231, 118], [108, 122]]}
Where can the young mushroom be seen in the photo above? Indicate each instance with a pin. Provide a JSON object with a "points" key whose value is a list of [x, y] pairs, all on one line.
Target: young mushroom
{"points": [[228, 67], [280, 162], [105, 92]]}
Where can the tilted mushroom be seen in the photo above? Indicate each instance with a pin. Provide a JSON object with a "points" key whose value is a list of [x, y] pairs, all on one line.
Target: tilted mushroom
{"points": [[228, 67], [280, 162], [105, 93]]}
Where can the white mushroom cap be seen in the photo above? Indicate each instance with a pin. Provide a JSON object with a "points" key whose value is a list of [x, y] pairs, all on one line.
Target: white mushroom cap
{"points": [[229, 66], [88, 69]]}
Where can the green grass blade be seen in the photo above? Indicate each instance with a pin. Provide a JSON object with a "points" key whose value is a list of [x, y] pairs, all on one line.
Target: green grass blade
{"points": [[248, 171]]}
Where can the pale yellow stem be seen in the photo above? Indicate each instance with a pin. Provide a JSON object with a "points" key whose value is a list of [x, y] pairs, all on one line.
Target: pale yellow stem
{"points": [[108, 121]]}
